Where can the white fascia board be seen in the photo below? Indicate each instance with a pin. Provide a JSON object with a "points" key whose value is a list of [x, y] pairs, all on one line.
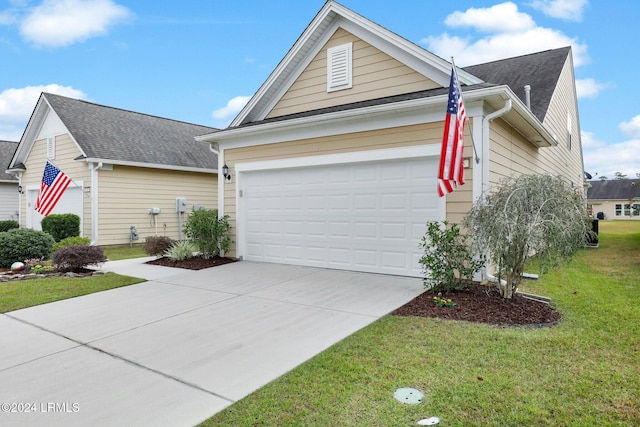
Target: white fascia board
{"points": [[412, 112], [146, 165], [411, 152]]}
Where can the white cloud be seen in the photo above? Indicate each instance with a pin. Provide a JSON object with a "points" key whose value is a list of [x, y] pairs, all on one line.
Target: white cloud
{"points": [[510, 33], [570, 10], [232, 108], [631, 128], [606, 158], [589, 88], [504, 45], [16, 106], [57, 23], [501, 18]]}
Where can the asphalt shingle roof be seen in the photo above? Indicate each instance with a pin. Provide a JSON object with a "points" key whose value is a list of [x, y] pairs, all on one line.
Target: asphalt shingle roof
{"points": [[7, 148], [539, 70], [120, 135], [614, 189]]}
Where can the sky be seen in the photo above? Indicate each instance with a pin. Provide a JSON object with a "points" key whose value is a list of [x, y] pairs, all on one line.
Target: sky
{"points": [[200, 61]]}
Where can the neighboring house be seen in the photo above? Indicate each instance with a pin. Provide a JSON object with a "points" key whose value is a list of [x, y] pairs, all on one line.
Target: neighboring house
{"points": [[123, 165], [333, 161], [8, 183], [615, 199]]}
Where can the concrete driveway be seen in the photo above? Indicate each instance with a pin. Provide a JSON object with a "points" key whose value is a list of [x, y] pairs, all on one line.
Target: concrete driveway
{"points": [[182, 346]]}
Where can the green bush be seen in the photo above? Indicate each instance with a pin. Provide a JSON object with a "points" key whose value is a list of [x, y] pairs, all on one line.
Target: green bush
{"points": [[77, 257], [448, 261], [19, 244], [9, 224], [208, 232], [70, 241], [61, 226], [157, 245], [180, 251]]}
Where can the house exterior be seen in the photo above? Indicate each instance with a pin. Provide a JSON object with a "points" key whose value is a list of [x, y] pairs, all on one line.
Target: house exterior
{"points": [[615, 199], [333, 161], [128, 169], [8, 183]]}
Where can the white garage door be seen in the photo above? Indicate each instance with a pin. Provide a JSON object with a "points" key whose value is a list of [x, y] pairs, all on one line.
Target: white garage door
{"points": [[364, 217]]}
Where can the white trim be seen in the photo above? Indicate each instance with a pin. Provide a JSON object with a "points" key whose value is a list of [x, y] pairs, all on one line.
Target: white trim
{"points": [[110, 162], [341, 158], [412, 152]]}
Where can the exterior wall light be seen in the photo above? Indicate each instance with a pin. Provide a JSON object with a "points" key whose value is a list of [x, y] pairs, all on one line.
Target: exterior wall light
{"points": [[225, 173]]}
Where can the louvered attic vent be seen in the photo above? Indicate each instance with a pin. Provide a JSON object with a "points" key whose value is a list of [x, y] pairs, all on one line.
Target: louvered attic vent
{"points": [[339, 67]]}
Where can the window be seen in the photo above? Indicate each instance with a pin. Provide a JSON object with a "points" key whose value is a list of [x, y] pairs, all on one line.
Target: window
{"points": [[51, 148], [569, 131], [618, 209], [635, 209], [339, 66]]}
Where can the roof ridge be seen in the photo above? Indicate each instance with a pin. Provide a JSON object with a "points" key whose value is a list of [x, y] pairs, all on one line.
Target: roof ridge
{"points": [[125, 110]]}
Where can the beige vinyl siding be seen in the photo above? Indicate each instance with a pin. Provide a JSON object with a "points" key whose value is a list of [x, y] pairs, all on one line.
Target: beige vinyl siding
{"points": [[375, 75], [560, 160], [457, 204], [510, 153], [66, 151], [127, 193]]}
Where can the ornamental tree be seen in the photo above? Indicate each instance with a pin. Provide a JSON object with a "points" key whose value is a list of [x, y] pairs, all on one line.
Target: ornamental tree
{"points": [[526, 216]]}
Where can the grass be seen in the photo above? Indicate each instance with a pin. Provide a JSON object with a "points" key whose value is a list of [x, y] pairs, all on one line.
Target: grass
{"points": [[115, 253], [583, 371], [19, 294]]}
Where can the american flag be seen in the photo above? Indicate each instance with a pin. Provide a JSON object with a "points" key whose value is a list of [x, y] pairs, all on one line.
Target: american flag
{"points": [[451, 173], [54, 183]]}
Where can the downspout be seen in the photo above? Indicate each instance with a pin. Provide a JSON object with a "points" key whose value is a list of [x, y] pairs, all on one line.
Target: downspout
{"points": [[485, 173], [94, 201], [220, 183]]}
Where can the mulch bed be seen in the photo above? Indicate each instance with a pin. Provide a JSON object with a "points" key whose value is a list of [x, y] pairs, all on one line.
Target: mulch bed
{"points": [[195, 263], [483, 304]]}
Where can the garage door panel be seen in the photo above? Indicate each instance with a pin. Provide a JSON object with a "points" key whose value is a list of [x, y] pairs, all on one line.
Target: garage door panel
{"points": [[366, 216]]}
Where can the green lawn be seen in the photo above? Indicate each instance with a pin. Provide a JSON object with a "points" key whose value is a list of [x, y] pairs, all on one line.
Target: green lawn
{"points": [[19, 294], [15, 295], [584, 371], [115, 253]]}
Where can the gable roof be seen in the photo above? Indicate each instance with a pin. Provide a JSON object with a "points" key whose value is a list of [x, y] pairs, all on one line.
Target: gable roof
{"points": [[539, 70], [496, 93], [614, 189], [332, 16], [117, 136], [7, 148]]}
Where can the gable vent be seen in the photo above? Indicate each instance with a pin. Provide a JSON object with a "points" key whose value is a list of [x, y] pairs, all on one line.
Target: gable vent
{"points": [[51, 148], [339, 67]]}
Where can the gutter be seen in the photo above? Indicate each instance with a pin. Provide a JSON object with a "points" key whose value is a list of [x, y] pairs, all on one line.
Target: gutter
{"points": [[485, 173]]}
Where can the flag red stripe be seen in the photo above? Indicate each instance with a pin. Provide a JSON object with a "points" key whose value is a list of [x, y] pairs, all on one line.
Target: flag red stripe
{"points": [[451, 170]]}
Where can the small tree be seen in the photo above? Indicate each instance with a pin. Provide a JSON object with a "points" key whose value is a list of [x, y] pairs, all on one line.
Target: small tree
{"points": [[448, 262], [208, 232], [528, 215]]}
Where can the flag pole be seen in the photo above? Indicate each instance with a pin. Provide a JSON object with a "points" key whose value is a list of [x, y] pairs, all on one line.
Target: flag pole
{"points": [[72, 181], [473, 143]]}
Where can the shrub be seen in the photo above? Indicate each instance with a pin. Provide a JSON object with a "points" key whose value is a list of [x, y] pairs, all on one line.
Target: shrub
{"points": [[180, 251], [9, 224], [448, 261], [19, 244], [157, 245], [61, 226], [70, 241], [525, 216], [77, 257], [208, 232]]}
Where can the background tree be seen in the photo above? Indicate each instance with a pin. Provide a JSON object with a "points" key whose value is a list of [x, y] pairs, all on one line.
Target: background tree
{"points": [[528, 215], [620, 175], [603, 178]]}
